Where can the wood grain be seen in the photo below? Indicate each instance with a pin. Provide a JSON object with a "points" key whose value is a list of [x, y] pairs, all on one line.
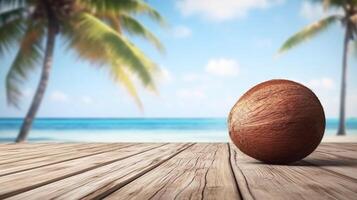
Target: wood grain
{"points": [[297, 181], [174, 170], [25, 149], [347, 151], [45, 160], [23, 181], [342, 161], [200, 172], [41, 151], [97, 182]]}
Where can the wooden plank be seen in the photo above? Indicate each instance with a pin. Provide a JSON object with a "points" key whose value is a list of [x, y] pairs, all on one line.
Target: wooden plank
{"points": [[257, 180], [342, 150], [200, 172], [46, 150], [43, 151], [335, 164], [45, 160], [24, 153], [347, 146], [17, 146], [23, 181], [99, 181], [29, 147], [335, 160]]}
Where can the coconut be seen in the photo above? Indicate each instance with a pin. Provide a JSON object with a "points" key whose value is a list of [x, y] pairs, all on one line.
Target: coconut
{"points": [[277, 122]]}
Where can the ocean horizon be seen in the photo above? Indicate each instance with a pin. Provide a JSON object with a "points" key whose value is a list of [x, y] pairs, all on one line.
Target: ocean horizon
{"points": [[134, 129]]}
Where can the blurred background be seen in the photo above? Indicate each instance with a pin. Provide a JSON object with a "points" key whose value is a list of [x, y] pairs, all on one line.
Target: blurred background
{"points": [[214, 52]]}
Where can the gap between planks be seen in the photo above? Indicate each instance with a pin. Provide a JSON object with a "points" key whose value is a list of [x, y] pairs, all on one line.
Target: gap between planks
{"points": [[42, 151], [201, 172], [24, 165], [105, 178], [300, 180], [19, 182], [306, 179]]}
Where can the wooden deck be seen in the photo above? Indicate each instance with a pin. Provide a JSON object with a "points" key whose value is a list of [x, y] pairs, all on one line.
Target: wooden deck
{"points": [[171, 171]]}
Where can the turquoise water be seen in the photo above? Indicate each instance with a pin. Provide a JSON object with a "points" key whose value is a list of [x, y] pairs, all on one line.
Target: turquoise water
{"points": [[133, 130]]}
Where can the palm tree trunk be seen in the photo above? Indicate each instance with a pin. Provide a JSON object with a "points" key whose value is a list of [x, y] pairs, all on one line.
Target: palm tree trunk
{"points": [[341, 127], [46, 68]]}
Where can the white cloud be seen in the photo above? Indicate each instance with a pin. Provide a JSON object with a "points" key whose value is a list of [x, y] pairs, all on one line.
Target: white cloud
{"points": [[222, 67], [322, 83], [59, 96], [86, 100], [315, 11], [181, 31], [191, 93], [166, 76], [220, 10]]}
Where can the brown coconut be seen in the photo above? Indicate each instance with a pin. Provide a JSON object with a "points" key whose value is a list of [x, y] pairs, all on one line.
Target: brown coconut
{"points": [[278, 121]]}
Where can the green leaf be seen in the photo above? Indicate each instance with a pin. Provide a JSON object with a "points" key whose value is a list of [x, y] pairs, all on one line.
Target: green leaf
{"points": [[10, 15], [12, 4], [11, 28], [136, 28], [110, 7], [113, 22], [330, 3], [93, 51], [86, 48], [308, 32], [100, 43], [10, 34], [28, 57], [122, 76]]}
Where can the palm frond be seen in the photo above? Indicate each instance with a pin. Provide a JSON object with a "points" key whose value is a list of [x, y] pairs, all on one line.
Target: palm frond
{"points": [[12, 4], [123, 77], [10, 15], [28, 56], [86, 48], [308, 32], [330, 3], [136, 28], [10, 34], [353, 3], [114, 22], [102, 44], [105, 7], [96, 53]]}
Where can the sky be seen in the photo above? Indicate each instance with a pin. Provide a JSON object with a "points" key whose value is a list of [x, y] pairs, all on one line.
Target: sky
{"points": [[215, 51]]}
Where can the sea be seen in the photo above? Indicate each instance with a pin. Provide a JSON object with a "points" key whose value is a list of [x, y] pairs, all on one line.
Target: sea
{"points": [[133, 129]]}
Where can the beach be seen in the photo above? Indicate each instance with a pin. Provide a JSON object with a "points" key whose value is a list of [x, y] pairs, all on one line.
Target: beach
{"points": [[141, 130]]}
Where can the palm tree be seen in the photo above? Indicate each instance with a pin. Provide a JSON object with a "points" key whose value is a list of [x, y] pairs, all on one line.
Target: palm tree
{"points": [[349, 21], [91, 27]]}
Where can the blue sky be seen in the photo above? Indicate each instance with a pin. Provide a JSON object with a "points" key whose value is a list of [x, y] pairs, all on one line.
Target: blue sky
{"points": [[215, 51]]}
